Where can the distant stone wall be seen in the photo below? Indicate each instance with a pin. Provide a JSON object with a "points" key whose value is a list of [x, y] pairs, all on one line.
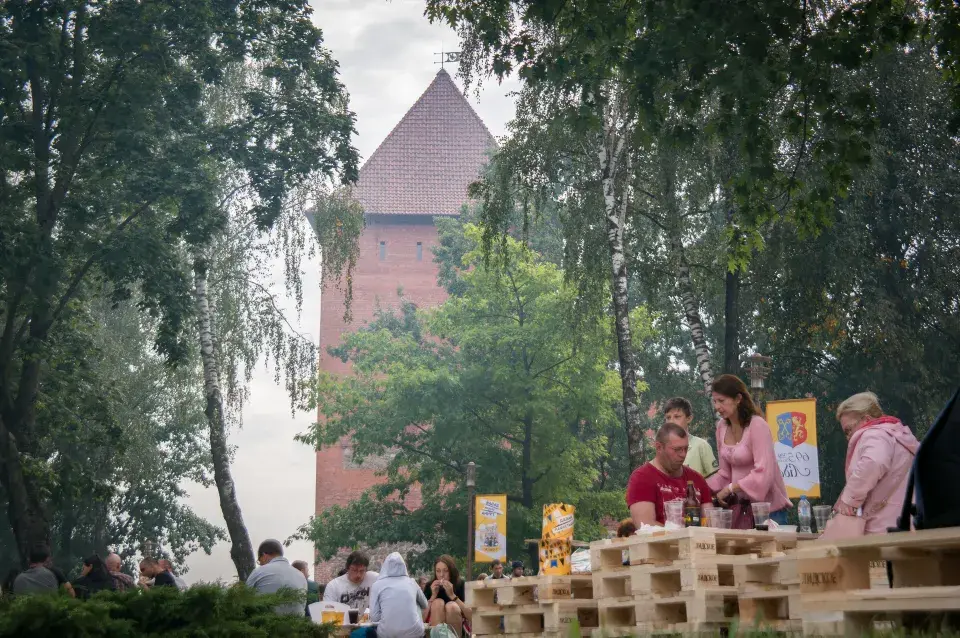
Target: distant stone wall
{"points": [[326, 571]]}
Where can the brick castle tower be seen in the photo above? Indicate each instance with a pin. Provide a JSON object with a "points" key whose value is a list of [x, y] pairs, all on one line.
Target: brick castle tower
{"points": [[420, 171]]}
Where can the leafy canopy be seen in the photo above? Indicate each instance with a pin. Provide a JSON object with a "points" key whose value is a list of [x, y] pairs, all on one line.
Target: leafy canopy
{"points": [[503, 374]]}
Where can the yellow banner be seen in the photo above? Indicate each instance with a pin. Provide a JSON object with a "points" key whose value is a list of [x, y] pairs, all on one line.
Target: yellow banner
{"points": [[558, 521], [490, 534], [793, 425]]}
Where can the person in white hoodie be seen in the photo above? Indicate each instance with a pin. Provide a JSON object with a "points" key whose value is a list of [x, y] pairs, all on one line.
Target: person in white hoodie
{"points": [[396, 602]]}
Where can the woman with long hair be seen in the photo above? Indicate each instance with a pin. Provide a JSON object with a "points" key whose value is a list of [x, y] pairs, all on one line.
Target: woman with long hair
{"points": [[94, 577], [748, 463], [880, 454], [445, 597]]}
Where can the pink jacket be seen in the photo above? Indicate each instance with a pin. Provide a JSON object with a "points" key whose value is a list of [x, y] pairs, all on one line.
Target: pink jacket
{"points": [[751, 464], [879, 457]]}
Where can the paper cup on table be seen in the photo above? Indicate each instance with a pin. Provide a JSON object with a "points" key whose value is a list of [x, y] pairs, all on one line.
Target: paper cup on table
{"points": [[673, 511], [721, 519]]}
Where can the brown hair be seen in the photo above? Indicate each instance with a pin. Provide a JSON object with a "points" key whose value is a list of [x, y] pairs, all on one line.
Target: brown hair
{"points": [[451, 565], [678, 403], [670, 429], [627, 528], [732, 386]]}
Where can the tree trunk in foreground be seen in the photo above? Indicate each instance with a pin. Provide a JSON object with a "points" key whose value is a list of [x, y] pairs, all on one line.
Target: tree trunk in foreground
{"points": [[241, 550]]}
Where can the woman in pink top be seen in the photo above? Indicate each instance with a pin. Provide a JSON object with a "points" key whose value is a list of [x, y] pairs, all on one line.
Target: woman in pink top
{"points": [[879, 457], [748, 464]]}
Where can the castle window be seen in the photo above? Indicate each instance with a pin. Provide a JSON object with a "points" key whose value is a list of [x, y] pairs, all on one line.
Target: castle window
{"points": [[383, 250], [419, 251]]}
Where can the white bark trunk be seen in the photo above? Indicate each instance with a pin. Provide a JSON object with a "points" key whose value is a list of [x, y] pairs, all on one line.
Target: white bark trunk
{"points": [[615, 165], [241, 550], [691, 313]]}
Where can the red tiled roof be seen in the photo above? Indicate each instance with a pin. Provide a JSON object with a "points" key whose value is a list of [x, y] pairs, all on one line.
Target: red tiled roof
{"points": [[429, 159]]}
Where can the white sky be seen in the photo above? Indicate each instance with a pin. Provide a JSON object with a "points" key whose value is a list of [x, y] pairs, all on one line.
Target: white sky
{"points": [[385, 49]]}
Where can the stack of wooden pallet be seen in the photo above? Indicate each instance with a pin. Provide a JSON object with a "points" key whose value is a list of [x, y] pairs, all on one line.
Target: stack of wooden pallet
{"points": [[532, 606], [843, 578], [694, 580]]}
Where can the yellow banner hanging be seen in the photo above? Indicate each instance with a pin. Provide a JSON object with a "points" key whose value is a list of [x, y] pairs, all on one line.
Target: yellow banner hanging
{"points": [[793, 424], [490, 534]]}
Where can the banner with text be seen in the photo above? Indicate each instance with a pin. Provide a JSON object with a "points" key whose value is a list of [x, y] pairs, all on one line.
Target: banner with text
{"points": [[793, 424], [490, 537]]}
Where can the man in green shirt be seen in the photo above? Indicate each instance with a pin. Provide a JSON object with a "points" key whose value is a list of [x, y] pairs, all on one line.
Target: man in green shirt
{"points": [[700, 456]]}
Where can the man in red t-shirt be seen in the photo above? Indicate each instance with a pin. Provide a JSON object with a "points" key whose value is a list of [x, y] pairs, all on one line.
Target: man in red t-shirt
{"points": [[663, 479]]}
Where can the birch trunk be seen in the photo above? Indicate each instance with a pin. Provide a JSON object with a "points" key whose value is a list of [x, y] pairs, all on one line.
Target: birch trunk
{"points": [[691, 314], [615, 165], [241, 550]]}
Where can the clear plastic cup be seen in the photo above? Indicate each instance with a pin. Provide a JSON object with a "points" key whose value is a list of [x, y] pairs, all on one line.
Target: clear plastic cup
{"points": [[706, 515], [761, 512], [673, 510], [721, 519], [821, 514]]}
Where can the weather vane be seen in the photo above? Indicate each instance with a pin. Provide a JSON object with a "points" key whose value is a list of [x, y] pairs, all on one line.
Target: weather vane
{"points": [[453, 57]]}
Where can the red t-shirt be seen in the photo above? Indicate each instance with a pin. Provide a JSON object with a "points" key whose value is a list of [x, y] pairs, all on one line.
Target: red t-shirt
{"points": [[648, 484]]}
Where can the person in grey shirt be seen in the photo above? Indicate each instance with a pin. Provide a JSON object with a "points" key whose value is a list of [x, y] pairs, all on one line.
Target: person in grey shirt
{"points": [[38, 578], [276, 573]]}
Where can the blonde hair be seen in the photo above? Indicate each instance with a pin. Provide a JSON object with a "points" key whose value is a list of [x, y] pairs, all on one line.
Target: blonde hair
{"points": [[862, 404]]}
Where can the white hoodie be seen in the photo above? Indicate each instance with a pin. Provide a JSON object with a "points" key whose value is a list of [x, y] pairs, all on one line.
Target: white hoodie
{"points": [[396, 601]]}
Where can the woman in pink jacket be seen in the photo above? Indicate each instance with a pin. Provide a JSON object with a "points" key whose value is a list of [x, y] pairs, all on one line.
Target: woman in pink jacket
{"points": [[880, 454], [748, 464]]}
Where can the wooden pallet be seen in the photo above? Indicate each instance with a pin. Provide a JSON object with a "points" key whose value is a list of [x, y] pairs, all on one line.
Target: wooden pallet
{"points": [[668, 547], [845, 578], [653, 581], [541, 618], [528, 590], [701, 607], [928, 558]]}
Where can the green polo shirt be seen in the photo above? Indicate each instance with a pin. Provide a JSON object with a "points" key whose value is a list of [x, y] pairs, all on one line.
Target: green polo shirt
{"points": [[700, 456]]}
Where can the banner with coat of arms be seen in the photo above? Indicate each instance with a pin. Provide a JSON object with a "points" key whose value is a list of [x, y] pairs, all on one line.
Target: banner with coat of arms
{"points": [[793, 424]]}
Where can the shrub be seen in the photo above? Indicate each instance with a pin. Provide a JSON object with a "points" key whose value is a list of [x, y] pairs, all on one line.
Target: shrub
{"points": [[207, 611]]}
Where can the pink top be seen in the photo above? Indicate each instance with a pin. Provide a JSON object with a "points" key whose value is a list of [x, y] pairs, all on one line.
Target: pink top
{"points": [[879, 458], [751, 464]]}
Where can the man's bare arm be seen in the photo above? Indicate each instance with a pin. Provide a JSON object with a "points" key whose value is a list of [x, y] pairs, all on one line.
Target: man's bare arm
{"points": [[643, 513]]}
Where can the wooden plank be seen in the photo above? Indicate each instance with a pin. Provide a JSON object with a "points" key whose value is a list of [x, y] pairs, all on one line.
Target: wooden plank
{"points": [[670, 580], [889, 600], [922, 540]]}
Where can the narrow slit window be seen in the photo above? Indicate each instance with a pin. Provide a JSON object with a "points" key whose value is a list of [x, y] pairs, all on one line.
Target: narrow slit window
{"points": [[419, 251], [383, 250]]}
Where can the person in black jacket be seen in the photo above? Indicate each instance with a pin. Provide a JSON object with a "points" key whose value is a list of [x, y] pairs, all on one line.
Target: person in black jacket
{"points": [[94, 577]]}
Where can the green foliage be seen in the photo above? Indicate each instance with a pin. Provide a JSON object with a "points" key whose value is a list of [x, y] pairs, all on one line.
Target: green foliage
{"points": [[112, 157], [209, 610], [505, 375]]}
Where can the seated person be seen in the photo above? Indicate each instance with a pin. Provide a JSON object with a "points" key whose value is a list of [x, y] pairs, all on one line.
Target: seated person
{"points": [[275, 574], [396, 602], [353, 587], [445, 597], [663, 479], [94, 577]]}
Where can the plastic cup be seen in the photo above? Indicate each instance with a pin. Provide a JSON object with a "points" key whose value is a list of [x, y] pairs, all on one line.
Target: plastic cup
{"points": [[821, 514], [721, 519], [706, 515], [761, 512], [674, 511]]}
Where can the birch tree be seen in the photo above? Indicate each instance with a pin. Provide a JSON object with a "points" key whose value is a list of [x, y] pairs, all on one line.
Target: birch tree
{"points": [[242, 318]]}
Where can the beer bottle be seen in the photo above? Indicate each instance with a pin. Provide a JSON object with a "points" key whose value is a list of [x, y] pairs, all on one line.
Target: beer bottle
{"points": [[691, 507]]}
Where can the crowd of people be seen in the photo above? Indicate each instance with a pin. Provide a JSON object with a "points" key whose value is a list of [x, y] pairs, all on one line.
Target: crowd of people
{"points": [[96, 574], [879, 455]]}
